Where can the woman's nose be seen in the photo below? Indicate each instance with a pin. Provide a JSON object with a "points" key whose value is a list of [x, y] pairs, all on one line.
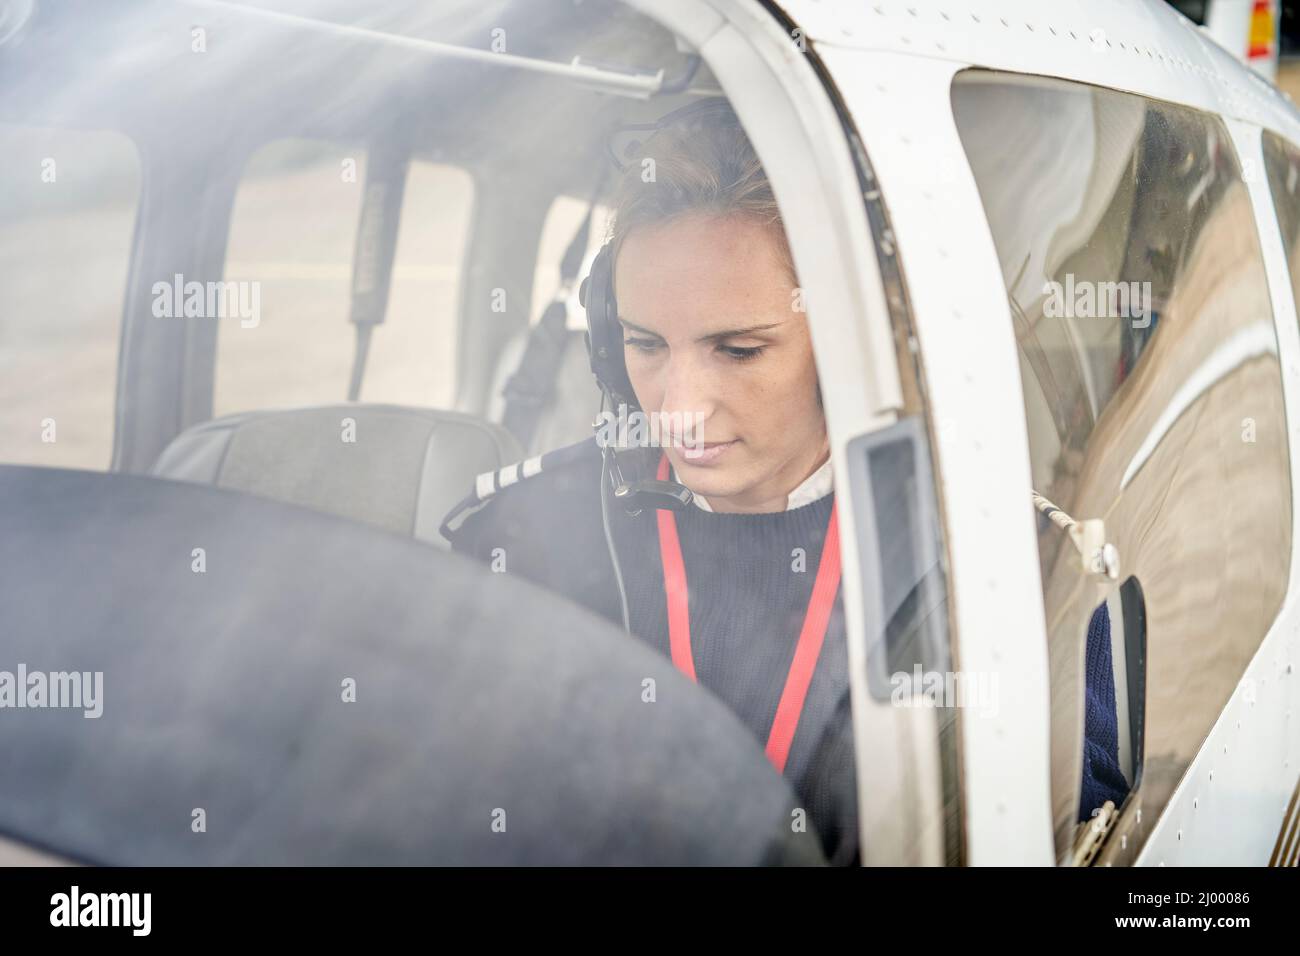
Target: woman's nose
{"points": [[689, 391]]}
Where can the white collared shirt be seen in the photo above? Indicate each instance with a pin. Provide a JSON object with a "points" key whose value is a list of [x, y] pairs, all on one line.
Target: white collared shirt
{"points": [[817, 485]]}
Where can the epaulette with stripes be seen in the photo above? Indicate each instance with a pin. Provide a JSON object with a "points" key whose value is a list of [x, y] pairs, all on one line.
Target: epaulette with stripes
{"points": [[487, 484]]}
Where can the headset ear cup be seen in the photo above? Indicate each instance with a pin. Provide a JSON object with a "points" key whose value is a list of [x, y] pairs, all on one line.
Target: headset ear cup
{"points": [[614, 361], [604, 333], [592, 296]]}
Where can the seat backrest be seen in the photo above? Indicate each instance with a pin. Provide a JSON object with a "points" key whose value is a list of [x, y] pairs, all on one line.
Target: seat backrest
{"points": [[398, 468]]}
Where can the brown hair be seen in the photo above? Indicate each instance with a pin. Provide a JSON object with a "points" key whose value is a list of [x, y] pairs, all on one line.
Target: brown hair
{"points": [[703, 168]]}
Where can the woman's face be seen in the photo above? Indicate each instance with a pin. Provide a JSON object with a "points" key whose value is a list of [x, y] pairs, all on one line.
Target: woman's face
{"points": [[713, 336]]}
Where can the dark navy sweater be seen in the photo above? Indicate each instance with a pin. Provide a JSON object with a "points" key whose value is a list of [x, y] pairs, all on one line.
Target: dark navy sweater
{"points": [[750, 577], [1102, 777]]}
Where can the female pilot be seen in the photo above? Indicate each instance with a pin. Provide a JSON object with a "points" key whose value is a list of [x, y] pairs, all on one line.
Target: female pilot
{"points": [[740, 585]]}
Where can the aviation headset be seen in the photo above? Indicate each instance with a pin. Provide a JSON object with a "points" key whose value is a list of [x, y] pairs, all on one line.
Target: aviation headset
{"points": [[631, 476], [604, 332]]}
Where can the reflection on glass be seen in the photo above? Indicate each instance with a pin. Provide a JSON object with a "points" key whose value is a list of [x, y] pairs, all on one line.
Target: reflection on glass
{"points": [[1153, 398]]}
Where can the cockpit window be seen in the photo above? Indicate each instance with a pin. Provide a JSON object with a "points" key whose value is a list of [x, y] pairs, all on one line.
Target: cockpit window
{"points": [[340, 289], [68, 204], [1153, 397], [302, 255]]}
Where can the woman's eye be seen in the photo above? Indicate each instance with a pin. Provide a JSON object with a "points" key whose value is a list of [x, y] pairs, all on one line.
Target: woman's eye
{"points": [[741, 354], [642, 345]]}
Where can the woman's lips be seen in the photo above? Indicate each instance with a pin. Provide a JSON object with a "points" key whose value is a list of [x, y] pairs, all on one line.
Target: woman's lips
{"points": [[706, 454]]}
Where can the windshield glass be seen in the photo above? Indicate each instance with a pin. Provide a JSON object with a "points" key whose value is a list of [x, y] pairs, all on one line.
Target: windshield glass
{"points": [[504, 280]]}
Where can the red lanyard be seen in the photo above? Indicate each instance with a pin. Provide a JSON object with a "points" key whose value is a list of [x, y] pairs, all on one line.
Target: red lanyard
{"points": [[811, 636]]}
